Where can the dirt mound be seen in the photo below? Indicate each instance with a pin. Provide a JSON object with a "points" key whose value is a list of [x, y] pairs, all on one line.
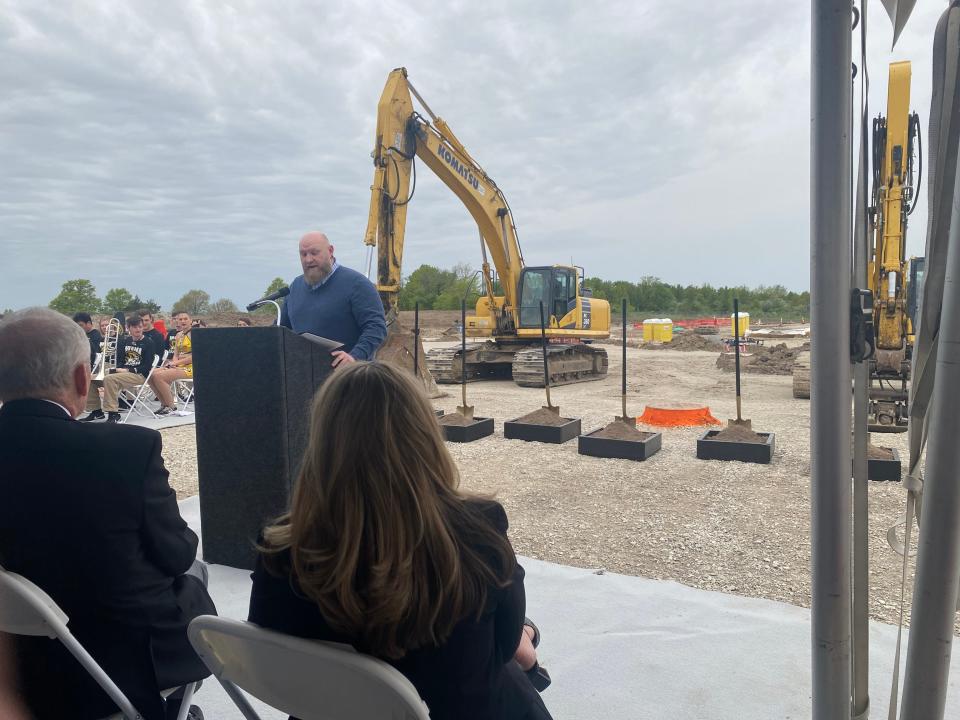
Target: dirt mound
{"points": [[738, 433], [618, 430], [685, 342], [879, 453], [543, 417], [455, 419], [762, 360]]}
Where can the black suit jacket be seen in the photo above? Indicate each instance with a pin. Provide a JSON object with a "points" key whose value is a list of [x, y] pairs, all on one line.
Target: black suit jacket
{"points": [[470, 677], [87, 513]]}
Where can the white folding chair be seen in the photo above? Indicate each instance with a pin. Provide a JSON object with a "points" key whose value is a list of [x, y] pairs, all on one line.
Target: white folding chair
{"points": [[183, 390], [25, 609], [138, 399], [308, 679]]}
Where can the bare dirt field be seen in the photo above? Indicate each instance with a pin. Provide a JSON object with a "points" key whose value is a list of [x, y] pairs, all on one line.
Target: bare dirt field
{"points": [[735, 527]]}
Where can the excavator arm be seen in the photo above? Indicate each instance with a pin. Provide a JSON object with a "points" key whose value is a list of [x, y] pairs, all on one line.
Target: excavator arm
{"points": [[402, 135]]}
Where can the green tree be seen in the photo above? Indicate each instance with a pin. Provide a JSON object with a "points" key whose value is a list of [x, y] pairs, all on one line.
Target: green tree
{"points": [[224, 305], [463, 285], [274, 285], [118, 299], [137, 304], [423, 286], [76, 296], [195, 302]]}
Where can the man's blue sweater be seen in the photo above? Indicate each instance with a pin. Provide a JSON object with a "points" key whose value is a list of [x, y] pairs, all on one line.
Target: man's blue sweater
{"points": [[345, 308]]}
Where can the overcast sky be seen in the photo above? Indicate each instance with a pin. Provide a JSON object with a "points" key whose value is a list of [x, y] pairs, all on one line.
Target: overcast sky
{"points": [[170, 145]]}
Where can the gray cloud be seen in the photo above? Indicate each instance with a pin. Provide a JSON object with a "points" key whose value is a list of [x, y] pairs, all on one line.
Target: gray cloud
{"points": [[170, 145]]}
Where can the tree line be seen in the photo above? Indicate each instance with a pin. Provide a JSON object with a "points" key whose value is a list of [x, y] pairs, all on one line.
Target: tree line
{"points": [[438, 289], [81, 296]]}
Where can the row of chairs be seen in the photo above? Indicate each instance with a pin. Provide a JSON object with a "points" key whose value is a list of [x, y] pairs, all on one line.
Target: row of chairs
{"points": [[308, 679]]}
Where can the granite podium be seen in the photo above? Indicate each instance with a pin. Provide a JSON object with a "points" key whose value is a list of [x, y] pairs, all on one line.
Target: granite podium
{"points": [[254, 388]]}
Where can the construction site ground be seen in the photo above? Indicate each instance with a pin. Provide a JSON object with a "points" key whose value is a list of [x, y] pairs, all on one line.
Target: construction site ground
{"points": [[733, 527]]}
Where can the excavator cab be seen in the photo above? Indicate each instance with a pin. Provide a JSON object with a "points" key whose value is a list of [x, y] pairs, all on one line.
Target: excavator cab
{"points": [[555, 286]]}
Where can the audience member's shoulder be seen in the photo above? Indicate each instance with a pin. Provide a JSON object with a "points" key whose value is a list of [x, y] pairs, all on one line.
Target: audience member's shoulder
{"points": [[118, 433], [492, 511]]}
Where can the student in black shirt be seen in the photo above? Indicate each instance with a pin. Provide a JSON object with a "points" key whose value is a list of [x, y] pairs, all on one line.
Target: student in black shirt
{"points": [[93, 335], [156, 337], [135, 358]]}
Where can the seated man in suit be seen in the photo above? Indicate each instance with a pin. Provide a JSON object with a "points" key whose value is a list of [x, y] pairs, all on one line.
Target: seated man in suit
{"points": [[87, 514]]}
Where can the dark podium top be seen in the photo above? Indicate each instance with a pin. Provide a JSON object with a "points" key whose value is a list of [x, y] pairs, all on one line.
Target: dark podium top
{"points": [[254, 388]]}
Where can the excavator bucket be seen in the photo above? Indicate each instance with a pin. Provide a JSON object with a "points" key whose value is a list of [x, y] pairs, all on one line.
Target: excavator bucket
{"points": [[398, 350]]}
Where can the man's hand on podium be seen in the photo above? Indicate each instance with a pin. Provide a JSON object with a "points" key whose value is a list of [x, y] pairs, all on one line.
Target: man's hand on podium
{"points": [[342, 358]]}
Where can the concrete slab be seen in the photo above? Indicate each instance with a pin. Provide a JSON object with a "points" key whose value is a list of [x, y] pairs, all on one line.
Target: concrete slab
{"points": [[627, 647]]}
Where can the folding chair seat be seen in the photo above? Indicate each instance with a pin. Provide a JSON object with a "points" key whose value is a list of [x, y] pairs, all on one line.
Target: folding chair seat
{"points": [[25, 609], [183, 390], [308, 679], [138, 400]]}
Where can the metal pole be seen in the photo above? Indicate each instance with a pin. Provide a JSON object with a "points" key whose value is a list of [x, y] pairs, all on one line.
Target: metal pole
{"points": [[860, 707], [830, 460], [736, 349], [938, 552], [543, 344], [416, 340], [623, 369]]}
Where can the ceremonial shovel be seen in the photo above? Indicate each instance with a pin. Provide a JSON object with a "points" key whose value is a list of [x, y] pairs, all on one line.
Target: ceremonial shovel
{"points": [[736, 345], [465, 410]]}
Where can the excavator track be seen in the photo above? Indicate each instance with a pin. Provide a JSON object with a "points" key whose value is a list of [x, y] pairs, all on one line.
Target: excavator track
{"points": [[444, 365], [567, 364]]}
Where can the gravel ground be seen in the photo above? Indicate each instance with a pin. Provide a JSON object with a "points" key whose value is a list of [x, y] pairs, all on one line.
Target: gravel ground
{"points": [[735, 527]]}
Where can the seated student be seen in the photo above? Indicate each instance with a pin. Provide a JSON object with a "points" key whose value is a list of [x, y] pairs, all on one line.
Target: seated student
{"points": [[179, 367], [94, 336], [382, 551], [151, 331], [135, 354], [87, 513]]}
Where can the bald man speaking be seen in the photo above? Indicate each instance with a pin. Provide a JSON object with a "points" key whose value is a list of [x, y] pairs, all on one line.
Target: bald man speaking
{"points": [[334, 302]]}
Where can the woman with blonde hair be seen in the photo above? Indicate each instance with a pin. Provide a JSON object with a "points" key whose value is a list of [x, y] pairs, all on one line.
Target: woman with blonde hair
{"points": [[382, 551]]}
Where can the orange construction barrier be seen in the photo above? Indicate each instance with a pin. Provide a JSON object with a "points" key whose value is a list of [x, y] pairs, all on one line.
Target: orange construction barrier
{"points": [[677, 417]]}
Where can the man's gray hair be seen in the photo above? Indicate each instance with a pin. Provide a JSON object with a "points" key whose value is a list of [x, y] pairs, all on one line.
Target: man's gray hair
{"points": [[39, 350]]}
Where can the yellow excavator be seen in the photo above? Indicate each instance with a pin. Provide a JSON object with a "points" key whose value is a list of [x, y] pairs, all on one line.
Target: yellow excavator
{"points": [[505, 328], [893, 279], [894, 283]]}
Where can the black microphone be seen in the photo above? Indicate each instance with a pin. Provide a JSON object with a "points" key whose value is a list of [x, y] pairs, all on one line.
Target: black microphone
{"points": [[282, 292]]}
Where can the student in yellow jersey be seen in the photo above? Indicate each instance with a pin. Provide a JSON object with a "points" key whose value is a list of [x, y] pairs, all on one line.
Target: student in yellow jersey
{"points": [[179, 367]]}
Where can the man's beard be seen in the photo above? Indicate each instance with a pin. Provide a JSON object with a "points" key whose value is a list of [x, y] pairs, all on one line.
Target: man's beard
{"points": [[315, 275]]}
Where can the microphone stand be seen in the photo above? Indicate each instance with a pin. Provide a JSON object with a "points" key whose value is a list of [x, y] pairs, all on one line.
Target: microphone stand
{"points": [[253, 306]]}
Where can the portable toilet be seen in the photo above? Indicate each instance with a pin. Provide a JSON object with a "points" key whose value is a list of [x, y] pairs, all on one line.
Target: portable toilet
{"points": [[658, 330], [649, 329], [744, 324], [664, 330]]}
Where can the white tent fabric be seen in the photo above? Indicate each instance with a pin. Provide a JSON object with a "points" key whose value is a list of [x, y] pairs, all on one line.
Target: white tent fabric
{"points": [[899, 12], [942, 142]]}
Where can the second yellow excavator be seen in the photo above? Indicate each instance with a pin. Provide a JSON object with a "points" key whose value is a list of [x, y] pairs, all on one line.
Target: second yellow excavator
{"points": [[505, 327], [893, 280]]}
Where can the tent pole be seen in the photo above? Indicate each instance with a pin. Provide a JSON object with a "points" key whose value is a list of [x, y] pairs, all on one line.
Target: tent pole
{"points": [[830, 377], [861, 398], [938, 551]]}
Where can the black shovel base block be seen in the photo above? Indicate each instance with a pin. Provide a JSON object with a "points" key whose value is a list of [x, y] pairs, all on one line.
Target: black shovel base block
{"points": [[480, 428], [615, 448], [513, 430], [710, 449], [889, 470]]}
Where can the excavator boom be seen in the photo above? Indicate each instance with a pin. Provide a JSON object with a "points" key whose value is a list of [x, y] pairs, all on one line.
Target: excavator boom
{"points": [[403, 136]]}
